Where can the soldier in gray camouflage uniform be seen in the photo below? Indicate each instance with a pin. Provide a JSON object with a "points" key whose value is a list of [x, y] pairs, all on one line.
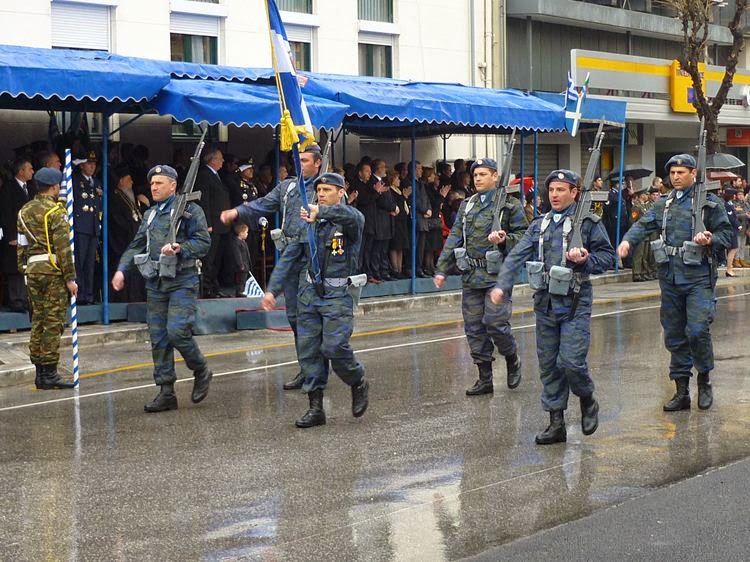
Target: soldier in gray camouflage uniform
{"points": [[477, 251]]}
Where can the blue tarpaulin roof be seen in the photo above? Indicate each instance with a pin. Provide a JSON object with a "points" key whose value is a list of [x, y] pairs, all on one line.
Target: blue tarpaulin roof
{"points": [[391, 107], [202, 71], [236, 103], [612, 112], [72, 75]]}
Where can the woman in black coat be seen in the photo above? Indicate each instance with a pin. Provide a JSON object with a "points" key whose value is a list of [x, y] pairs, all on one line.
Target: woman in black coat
{"points": [[401, 218]]}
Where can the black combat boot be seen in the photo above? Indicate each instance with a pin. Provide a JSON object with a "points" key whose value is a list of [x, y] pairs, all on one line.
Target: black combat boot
{"points": [[589, 414], [165, 400], [200, 385], [681, 398], [50, 379], [295, 383], [359, 399], [513, 363], [38, 378], [315, 415], [555, 432], [705, 392], [484, 383]]}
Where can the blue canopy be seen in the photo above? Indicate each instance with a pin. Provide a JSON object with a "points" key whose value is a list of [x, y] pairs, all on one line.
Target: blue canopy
{"points": [[194, 70], [612, 112], [387, 107], [235, 103], [66, 75]]}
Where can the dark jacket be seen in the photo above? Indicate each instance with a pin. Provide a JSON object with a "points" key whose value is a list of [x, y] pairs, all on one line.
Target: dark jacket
{"points": [[86, 204], [12, 198], [125, 217], [214, 198], [366, 203]]}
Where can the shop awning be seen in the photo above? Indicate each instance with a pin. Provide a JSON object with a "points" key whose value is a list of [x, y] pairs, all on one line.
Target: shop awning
{"points": [[68, 76], [236, 103], [194, 70], [388, 107], [612, 112]]}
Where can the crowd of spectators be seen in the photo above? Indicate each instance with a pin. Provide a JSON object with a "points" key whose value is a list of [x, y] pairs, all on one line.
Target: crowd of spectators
{"points": [[382, 191]]}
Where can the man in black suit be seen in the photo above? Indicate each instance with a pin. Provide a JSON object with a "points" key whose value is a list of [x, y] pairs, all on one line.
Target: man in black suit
{"points": [[15, 195], [214, 199]]}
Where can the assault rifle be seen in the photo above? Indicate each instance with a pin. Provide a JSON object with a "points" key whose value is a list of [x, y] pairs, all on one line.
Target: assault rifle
{"points": [[502, 183], [583, 210], [699, 189], [186, 194]]}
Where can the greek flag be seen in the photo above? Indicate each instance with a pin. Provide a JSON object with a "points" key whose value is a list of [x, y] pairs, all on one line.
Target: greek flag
{"points": [[252, 289], [574, 103], [295, 120]]}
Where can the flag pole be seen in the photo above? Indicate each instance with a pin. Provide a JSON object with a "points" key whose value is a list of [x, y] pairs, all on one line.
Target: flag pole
{"points": [[68, 181]]}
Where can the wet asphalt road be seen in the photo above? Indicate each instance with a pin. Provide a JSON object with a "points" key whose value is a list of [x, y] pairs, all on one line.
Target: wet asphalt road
{"points": [[426, 474]]}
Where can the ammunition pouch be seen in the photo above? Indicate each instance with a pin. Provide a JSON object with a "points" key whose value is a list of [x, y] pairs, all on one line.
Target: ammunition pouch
{"points": [[536, 274], [560, 280], [462, 260], [167, 266], [279, 239], [354, 286], [692, 253], [659, 249], [494, 260], [146, 266]]}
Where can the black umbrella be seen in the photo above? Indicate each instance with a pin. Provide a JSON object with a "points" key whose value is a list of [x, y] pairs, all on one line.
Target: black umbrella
{"points": [[636, 171], [723, 161]]}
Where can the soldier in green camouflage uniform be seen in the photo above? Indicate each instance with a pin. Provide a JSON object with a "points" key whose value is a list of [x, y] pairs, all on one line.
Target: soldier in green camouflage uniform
{"points": [[484, 322], [44, 254], [644, 266]]}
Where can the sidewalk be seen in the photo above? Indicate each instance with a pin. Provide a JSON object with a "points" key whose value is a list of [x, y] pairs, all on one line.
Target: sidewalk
{"points": [[15, 367]]}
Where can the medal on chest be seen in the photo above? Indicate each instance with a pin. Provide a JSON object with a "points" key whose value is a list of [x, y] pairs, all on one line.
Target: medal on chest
{"points": [[337, 244]]}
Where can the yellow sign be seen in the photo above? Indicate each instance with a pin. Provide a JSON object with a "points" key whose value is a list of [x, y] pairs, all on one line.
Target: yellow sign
{"points": [[681, 90]]}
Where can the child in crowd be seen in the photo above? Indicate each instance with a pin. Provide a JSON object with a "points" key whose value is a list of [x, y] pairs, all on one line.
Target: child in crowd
{"points": [[238, 258]]}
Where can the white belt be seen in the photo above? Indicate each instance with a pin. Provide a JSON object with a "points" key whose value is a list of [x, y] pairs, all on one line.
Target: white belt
{"points": [[42, 258], [333, 282]]}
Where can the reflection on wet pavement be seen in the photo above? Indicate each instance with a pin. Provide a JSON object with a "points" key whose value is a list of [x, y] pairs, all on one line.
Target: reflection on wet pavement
{"points": [[427, 474]]}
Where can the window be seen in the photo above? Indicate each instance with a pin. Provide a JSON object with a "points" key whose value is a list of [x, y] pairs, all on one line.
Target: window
{"points": [[194, 48], [301, 6], [375, 60], [301, 53], [70, 19], [375, 10]]}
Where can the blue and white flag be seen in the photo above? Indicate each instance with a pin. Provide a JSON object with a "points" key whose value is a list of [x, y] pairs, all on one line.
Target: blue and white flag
{"points": [[252, 289], [574, 104]]}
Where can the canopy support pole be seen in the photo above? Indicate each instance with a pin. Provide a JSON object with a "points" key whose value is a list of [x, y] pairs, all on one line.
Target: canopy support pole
{"points": [[413, 172], [128, 122], [619, 199], [536, 172], [522, 158], [105, 218]]}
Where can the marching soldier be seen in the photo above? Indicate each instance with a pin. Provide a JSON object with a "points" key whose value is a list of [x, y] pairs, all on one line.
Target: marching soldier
{"points": [[478, 251], [687, 289], [562, 301], [44, 254], [644, 267], [87, 191], [326, 313], [171, 297]]}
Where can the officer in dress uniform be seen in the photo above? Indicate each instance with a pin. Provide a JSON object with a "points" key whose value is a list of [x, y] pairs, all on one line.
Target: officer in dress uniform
{"points": [[478, 252], [171, 295], [325, 313], [242, 191], [87, 191], [44, 254], [687, 282], [562, 301], [285, 199]]}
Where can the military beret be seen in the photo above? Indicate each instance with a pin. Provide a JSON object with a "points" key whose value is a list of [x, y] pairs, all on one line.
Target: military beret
{"points": [[162, 170], [48, 176], [567, 176], [730, 191], [332, 179], [685, 160], [313, 149], [488, 163]]}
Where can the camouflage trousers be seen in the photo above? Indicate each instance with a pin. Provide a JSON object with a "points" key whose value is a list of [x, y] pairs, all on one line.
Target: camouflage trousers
{"points": [[686, 312], [170, 314], [49, 305], [644, 266], [562, 345], [486, 324], [324, 327]]}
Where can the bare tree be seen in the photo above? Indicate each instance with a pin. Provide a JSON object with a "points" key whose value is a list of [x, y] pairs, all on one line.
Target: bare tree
{"points": [[696, 15]]}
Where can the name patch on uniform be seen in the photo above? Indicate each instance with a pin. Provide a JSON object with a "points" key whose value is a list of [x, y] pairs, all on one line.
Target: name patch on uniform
{"points": [[22, 241]]}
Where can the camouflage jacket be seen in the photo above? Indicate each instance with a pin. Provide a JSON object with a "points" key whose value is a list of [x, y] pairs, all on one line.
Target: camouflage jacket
{"points": [[679, 229], [479, 218], [46, 232]]}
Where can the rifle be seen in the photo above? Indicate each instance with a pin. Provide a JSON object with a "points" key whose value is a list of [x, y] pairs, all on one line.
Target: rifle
{"points": [[583, 210], [502, 183], [699, 189], [186, 194]]}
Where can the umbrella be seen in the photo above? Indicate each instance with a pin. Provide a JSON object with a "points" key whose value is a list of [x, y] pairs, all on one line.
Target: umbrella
{"points": [[724, 175], [528, 183], [636, 171], [723, 161]]}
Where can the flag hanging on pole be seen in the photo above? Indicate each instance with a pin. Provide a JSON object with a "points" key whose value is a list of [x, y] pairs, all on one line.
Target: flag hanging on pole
{"points": [[574, 104], [296, 132]]}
